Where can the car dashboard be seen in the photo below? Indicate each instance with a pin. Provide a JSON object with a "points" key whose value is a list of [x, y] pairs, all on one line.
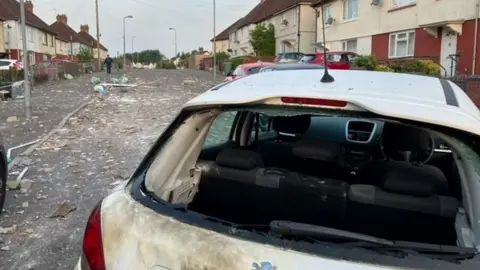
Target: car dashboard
{"points": [[360, 138]]}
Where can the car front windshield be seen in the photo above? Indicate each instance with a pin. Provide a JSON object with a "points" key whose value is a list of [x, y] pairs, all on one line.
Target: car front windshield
{"points": [[307, 58]]}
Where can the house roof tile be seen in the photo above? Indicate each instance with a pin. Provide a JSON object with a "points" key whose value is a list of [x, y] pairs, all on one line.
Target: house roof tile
{"points": [[10, 10], [224, 34], [91, 40], [66, 33]]}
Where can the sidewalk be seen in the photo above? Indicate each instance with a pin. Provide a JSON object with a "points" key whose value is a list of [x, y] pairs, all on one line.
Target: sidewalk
{"points": [[50, 103]]}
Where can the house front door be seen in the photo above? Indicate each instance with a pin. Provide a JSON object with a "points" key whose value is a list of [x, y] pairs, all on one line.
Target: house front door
{"points": [[448, 50]]}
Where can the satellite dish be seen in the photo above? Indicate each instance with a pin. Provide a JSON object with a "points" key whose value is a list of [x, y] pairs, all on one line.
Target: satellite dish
{"points": [[329, 20]]}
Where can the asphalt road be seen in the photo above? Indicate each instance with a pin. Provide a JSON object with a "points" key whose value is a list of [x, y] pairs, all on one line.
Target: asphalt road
{"points": [[98, 148]]}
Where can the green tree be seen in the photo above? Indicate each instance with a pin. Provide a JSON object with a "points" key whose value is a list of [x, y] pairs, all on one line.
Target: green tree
{"points": [[145, 56], [262, 39], [85, 54], [220, 56]]}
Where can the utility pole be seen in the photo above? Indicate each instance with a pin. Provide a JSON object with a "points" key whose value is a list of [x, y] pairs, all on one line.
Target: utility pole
{"points": [[175, 32], [124, 55], [98, 35], [214, 46], [26, 64], [133, 57]]}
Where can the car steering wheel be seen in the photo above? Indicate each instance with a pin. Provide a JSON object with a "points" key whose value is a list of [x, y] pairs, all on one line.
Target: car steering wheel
{"points": [[408, 154]]}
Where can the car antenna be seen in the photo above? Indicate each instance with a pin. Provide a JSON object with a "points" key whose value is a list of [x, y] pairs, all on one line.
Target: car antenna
{"points": [[327, 78]]}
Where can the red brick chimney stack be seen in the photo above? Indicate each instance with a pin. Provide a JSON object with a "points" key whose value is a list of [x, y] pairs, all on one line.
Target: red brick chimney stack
{"points": [[84, 28], [62, 18], [29, 5]]}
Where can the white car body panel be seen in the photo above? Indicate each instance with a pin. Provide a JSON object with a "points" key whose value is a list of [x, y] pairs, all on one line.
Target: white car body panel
{"points": [[135, 237], [414, 97], [9, 66]]}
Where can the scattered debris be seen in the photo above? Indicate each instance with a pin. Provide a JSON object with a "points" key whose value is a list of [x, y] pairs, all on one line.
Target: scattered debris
{"points": [[7, 230], [12, 119], [9, 151], [119, 84], [17, 90], [26, 232], [26, 184], [15, 184], [24, 204], [68, 76], [63, 210], [95, 80], [101, 89]]}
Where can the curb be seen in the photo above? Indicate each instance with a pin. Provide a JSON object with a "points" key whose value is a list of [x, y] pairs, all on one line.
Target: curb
{"points": [[50, 134]]}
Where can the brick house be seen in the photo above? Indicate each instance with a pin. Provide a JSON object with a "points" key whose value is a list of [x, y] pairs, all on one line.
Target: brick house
{"points": [[400, 29], [294, 22], [85, 35], [40, 37], [67, 35]]}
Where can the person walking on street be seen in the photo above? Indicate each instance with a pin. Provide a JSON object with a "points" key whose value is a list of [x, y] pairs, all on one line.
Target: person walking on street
{"points": [[109, 62]]}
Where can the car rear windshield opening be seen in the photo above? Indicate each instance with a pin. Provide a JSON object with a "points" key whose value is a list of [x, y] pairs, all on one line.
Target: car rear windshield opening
{"points": [[360, 175]]}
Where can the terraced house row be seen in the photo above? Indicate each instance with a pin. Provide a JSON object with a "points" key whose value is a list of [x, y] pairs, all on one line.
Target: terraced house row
{"points": [[445, 31], [44, 41]]}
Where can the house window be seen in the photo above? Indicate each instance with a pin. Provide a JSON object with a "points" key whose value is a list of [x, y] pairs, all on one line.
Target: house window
{"points": [[349, 45], [52, 40], [45, 39], [402, 44], [350, 9], [284, 20], [328, 11], [401, 3]]}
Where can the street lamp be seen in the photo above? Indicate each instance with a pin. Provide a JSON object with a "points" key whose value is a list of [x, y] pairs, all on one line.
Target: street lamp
{"points": [[124, 56], [133, 38], [175, 31], [214, 46]]}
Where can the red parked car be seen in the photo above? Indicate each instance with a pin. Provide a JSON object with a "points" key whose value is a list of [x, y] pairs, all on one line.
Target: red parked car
{"points": [[247, 69], [335, 59]]}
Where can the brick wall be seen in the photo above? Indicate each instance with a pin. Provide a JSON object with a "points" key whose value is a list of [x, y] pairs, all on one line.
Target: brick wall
{"points": [[473, 89]]}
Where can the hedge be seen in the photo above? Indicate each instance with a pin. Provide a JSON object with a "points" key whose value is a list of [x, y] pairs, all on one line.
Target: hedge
{"points": [[414, 66]]}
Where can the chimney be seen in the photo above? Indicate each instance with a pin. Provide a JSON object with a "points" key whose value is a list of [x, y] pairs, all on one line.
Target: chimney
{"points": [[84, 28], [29, 5], [62, 18]]}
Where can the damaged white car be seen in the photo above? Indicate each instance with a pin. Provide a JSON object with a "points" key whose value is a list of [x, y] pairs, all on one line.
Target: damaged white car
{"points": [[279, 170]]}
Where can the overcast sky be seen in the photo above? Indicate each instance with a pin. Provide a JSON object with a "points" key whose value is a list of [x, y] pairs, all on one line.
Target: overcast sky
{"points": [[193, 20]]}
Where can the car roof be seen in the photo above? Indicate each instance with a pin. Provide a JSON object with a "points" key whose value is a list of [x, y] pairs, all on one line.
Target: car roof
{"points": [[336, 52], [405, 96], [291, 66], [262, 64]]}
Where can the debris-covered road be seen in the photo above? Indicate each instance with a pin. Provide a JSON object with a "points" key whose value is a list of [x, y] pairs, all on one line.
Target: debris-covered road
{"points": [[44, 218]]}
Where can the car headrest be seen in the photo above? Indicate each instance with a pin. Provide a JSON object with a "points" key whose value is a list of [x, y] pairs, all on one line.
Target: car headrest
{"points": [[420, 181], [239, 159], [297, 125], [404, 138], [317, 150]]}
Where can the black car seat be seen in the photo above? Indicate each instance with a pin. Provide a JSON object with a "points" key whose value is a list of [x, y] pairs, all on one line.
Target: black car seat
{"points": [[404, 201], [278, 153]]}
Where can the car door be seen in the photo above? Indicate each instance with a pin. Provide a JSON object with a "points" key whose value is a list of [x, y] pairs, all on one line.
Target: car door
{"points": [[337, 61]]}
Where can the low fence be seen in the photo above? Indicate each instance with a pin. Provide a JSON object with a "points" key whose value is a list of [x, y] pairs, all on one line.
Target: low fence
{"points": [[47, 72]]}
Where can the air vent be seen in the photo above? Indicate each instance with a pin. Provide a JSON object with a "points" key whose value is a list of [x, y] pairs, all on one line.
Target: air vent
{"points": [[360, 131]]}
